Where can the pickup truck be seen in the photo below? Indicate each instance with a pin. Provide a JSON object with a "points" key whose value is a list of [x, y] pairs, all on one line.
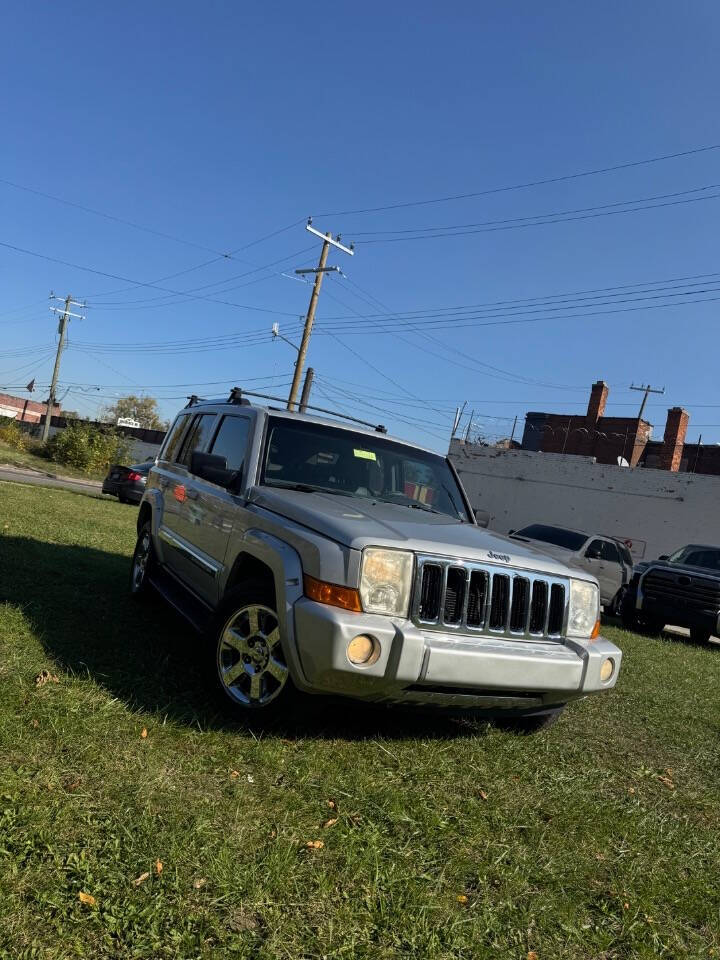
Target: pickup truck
{"points": [[326, 557], [682, 589]]}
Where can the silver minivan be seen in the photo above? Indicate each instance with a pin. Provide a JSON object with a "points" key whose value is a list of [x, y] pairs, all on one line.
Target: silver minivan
{"points": [[606, 558]]}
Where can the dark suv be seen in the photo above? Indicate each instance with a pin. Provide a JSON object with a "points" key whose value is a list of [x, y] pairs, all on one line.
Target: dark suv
{"points": [[682, 589]]}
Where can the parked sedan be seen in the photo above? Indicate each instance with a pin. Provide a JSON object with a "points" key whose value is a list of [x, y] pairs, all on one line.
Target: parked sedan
{"points": [[607, 558], [127, 483]]}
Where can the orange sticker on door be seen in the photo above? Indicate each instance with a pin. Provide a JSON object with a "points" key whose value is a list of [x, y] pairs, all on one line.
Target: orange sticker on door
{"points": [[179, 493]]}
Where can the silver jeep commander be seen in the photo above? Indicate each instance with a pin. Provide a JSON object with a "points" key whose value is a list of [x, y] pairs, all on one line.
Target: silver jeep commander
{"points": [[325, 556]]}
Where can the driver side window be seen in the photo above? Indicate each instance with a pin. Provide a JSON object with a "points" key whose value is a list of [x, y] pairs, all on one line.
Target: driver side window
{"points": [[594, 551]]}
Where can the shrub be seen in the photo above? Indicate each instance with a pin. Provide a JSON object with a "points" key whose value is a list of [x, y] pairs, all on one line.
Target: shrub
{"points": [[12, 434], [87, 448]]}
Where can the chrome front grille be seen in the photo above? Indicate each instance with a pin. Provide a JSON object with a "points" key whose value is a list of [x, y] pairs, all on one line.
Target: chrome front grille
{"points": [[484, 599]]}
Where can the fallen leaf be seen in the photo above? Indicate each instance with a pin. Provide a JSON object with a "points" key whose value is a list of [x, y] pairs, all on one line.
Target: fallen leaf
{"points": [[483, 795], [141, 879], [234, 774], [462, 898], [667, 782], [35, 723], [332, 804], [239, 920], [87, 898], [273, 834], [73, 785], [199, 883], [330, 823], [315, 844], [532, 955], [626, 906], [45, 677], [631, 790], [158, 867], [144, 733]]}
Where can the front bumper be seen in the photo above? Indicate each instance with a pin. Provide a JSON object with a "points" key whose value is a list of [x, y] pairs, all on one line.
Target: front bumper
{"points": [[449, 670]]}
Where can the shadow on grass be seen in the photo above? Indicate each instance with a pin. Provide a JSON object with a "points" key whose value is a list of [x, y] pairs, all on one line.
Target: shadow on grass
{"points": [[77, 601]]}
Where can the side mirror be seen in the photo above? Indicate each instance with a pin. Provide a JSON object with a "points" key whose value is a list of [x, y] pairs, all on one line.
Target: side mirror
{"points": [[482, 518], [211, 467], [663, 556], [511, 532]]}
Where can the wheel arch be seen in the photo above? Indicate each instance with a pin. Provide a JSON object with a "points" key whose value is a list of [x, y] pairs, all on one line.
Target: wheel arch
{"points": [[144, 515], [247, 566]]}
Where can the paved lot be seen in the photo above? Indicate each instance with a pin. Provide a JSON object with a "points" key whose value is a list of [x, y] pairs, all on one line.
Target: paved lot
{"points": [[35, 478]]}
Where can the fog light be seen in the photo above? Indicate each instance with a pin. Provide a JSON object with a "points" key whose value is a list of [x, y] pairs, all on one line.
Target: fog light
{"points": [[607, 670], [363, 650]]}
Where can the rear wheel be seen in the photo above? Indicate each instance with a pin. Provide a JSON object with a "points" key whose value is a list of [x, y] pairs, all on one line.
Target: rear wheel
{"points": [[142, 563], [250, 665]]}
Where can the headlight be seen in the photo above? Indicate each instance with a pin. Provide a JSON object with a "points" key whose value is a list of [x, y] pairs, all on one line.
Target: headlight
{"points": [[584, 609], [385, 581]]}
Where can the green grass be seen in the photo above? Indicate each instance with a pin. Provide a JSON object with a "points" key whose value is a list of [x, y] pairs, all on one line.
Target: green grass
{"points": [[567, 844], [27, 458]]}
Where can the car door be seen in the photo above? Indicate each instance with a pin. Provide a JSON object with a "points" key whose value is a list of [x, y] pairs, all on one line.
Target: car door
{"points": [[210, 508], [613, 568], [179, 497], [593, 561]]}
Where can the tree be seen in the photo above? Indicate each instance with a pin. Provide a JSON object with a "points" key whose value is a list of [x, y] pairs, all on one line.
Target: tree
{"points": [[143, 409]]}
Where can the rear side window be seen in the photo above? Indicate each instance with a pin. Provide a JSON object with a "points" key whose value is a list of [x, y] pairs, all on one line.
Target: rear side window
{"points": [[609, 552], [231, 442], [197, 437], [172, 440]]}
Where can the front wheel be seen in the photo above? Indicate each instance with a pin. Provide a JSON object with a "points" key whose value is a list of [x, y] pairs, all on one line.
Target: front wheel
{"points": [[250, 664]]}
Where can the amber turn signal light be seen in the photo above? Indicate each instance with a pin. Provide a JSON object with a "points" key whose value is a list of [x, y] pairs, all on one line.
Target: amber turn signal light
{"points": [[332, 594], [596, 630]]}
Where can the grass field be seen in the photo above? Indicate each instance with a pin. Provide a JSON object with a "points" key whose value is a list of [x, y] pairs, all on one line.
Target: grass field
{"points": [[119, 781]]}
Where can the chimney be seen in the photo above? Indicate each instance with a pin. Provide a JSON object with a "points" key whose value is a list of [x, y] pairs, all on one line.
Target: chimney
{"points": [[598, 399], [674, 439]]}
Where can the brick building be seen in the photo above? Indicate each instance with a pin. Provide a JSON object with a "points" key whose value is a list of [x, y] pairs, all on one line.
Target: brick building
{"points": [[18, 408], [589, 435], [609, 438]]}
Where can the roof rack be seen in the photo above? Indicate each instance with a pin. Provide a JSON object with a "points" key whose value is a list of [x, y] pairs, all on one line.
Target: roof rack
{"points": [[193, 399], [237, 395]]}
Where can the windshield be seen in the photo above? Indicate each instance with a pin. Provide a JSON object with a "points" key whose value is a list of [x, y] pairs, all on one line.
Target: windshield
{"points": [[555, 535], [708, 557], [311, 456]]}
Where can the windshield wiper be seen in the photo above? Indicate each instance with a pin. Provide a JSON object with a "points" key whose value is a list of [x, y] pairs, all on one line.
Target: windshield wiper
{"points": [[308, 488]]}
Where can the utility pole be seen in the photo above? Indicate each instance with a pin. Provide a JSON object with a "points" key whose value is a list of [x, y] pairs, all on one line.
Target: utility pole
{"points": [[646, 389], [62, 329], [305, 397], [321, 269], [459, 411]]}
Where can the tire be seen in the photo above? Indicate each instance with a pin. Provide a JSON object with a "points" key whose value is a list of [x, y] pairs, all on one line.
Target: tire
{"points": [[616, 607], [250, 669], [142, 563], [700, 635], [535, 723]]}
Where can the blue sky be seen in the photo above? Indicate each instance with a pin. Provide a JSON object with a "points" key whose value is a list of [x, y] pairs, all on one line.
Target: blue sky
{"points": [[218, 124]]}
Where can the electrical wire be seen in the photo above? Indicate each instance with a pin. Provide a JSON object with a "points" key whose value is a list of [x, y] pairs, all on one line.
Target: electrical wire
{"points": [[561, 178], [139, 283], [538, 221]]}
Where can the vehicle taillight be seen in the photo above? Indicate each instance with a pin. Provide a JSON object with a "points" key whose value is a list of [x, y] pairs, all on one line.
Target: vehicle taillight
{"points": [[134, 476]]}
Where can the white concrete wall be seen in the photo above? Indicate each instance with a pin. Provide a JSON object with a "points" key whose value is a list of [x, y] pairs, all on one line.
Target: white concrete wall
{"points": [[655, 511]]}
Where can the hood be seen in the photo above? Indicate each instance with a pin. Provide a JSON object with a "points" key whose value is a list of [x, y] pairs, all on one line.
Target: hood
{"points": [[549, 549], [360, 522]]}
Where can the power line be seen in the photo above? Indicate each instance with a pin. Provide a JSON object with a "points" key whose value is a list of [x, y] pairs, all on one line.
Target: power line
{"points": [[139, 283], [625, 165], [493, 226]]}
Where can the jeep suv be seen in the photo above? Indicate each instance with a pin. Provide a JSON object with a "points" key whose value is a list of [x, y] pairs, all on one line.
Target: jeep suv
{"points": [[325, 556]]}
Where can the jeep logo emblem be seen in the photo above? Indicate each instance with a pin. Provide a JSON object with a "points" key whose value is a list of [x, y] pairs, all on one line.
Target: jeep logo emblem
{"points": [[499, 556]]}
